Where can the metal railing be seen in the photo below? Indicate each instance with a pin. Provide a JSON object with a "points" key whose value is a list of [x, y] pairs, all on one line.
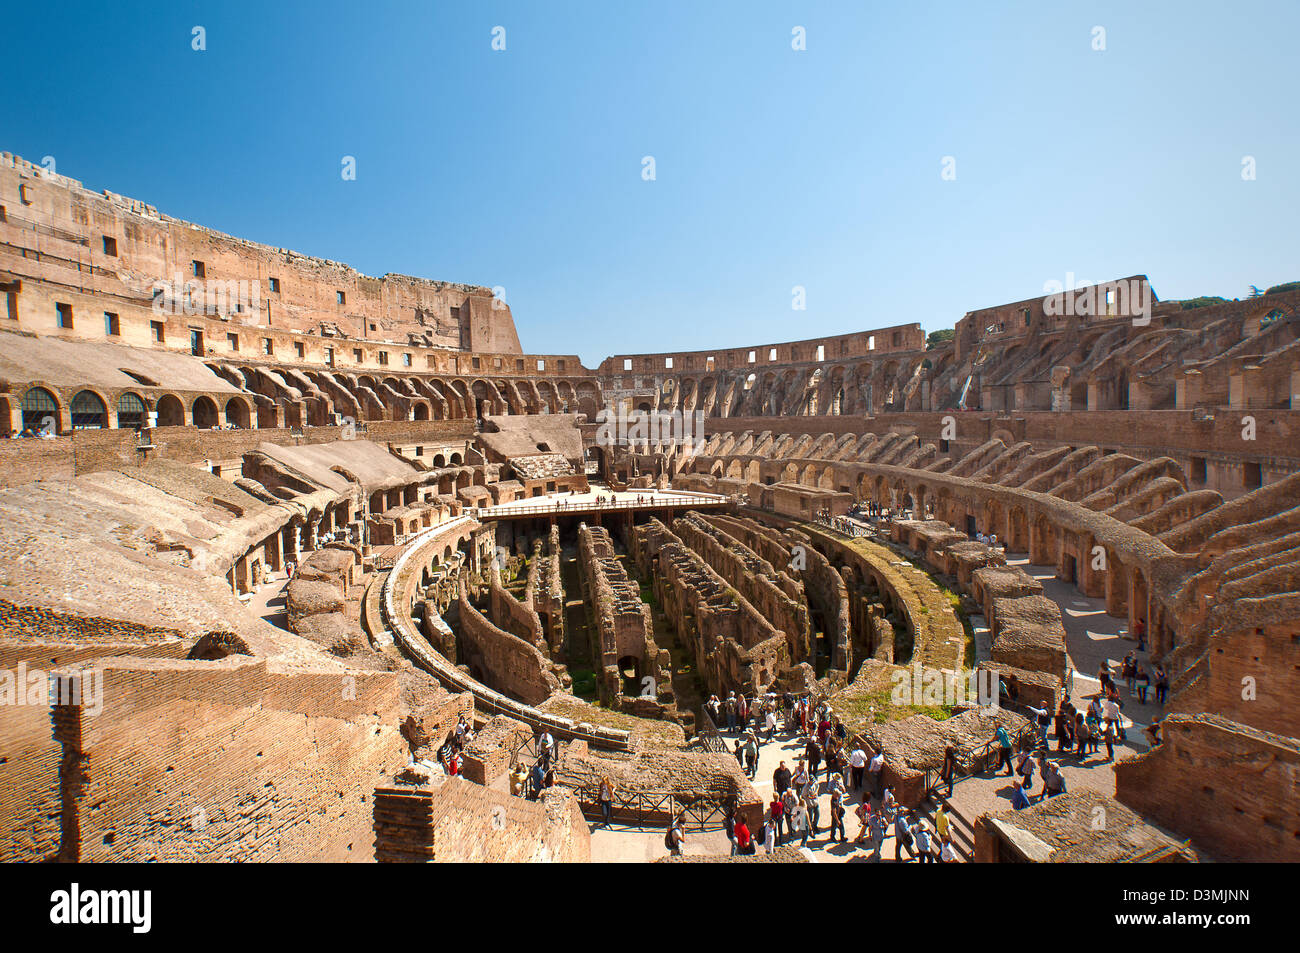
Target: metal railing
{"points": [[654, 809], [509, 509]]}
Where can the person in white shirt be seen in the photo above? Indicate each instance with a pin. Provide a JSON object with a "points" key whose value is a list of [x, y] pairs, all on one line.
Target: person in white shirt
{"points": [[858, 764], [946, 853], [875, 767]]}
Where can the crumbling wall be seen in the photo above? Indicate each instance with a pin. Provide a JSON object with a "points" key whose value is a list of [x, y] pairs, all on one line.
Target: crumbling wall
{"points": [[500, 660], [1229, 787], [226, 760]]}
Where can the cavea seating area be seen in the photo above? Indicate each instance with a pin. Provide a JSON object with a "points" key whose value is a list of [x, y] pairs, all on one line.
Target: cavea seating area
{"points": [[300, 564]]}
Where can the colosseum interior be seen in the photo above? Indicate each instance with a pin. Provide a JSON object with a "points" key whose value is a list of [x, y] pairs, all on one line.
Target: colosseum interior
{"points": [[303, 564]]}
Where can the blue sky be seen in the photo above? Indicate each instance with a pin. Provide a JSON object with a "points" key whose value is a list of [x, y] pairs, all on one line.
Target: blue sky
{"points": [[775, 168]]}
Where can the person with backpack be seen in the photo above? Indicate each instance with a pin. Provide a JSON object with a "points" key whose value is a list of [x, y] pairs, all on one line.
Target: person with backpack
{"points": [[675, 837]]}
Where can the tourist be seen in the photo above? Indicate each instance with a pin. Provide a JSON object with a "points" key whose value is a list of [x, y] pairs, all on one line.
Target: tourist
{"points": [[1019, 800], [605, 795], [941, 822], [1108, 735], [453, 764], [1153, 733], [858, 765], [777, 811], [809, 793], [863, 813], [879, 830], [947, 854], [731, 712], [518, 780], [1162, 685], [921, 837], [949, 770], [544, 748], [1053, 779], [1025, 768], [537, 778], [888, 803], [1080, 736], [1004, 749], [1041, 719], [781, 778], [769, 833], [751, 755], [1139, 632], [874, 768], [902, 837], [742, 842], [676, 836], [813, 752], [1064, 719], [837, 816], [833, 764], [1141, 682], [799, 821]]}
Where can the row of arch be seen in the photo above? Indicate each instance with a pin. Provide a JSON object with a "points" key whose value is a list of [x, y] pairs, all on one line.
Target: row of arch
{"points": [[40, 410]]}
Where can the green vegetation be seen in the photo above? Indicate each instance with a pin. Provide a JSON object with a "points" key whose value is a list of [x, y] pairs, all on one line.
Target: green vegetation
{"points": [[1202, 302], [860, 708], [1289, 286], [584, 683], [939, 338]]}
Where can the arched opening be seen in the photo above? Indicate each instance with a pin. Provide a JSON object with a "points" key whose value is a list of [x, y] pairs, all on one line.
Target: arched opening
{"points": [[421, 412], [236, 412], [40, 411], [205, 413], [439, 460], [88, 411], [171, 412], [455, 460], [130, 412]]}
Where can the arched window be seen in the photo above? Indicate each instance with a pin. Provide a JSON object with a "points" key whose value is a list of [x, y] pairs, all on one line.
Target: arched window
{"points": [[40, 411], [171, 412], [88, 411], [130, 412], [205, 413]]}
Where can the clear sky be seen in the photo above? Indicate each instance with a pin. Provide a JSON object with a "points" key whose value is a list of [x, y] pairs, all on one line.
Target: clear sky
{"points": [[774, 168]]}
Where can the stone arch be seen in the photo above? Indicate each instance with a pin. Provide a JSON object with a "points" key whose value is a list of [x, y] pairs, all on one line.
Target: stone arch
{"points": [[237, 413], [89, 411], [40, 410], [204, 412], [130, 411], [171, 412]]}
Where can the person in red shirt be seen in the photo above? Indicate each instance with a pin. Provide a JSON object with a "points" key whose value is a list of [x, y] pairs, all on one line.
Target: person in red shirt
{"points": [[742, 837], [777, 807]]}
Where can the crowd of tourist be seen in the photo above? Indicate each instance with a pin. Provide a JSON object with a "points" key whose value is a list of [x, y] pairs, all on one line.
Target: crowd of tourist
{"points": [[794, 813]]}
